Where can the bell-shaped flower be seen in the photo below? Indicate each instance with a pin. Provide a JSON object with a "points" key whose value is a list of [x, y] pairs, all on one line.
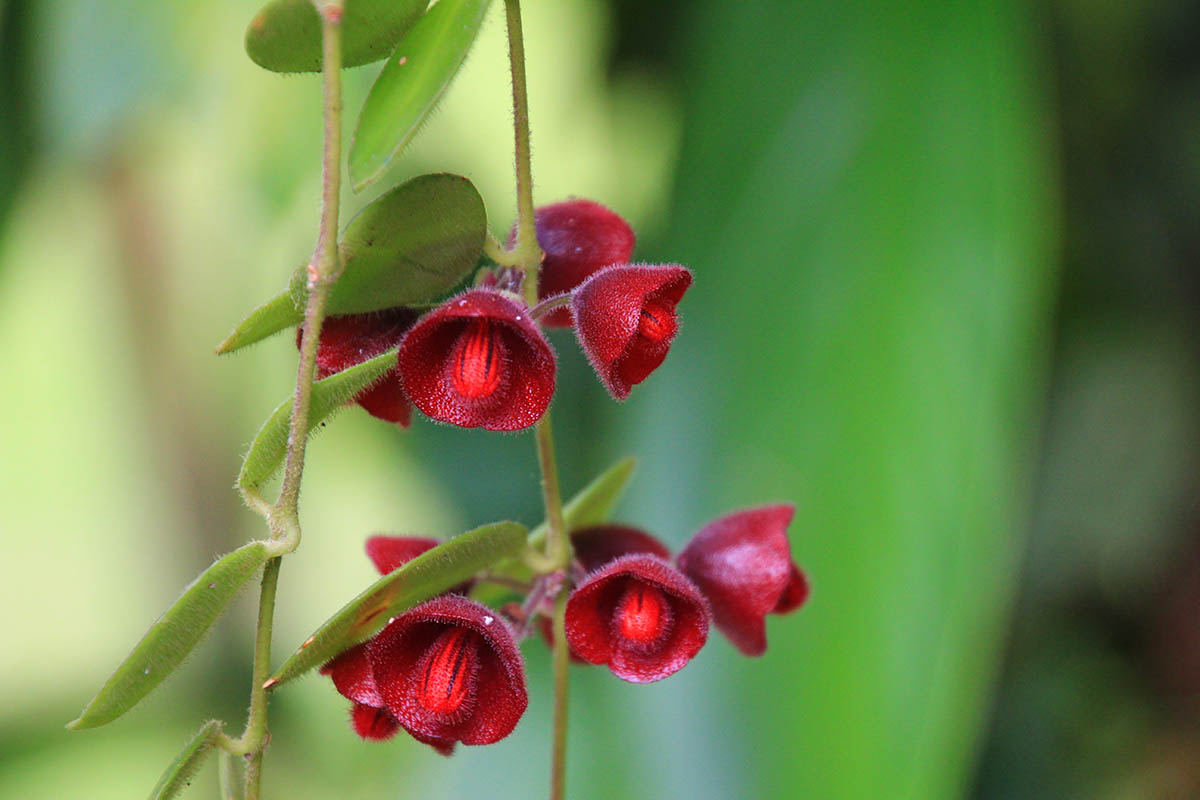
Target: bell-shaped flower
{"points": [[478, 361], [625, 320], [743, 564], [578, 237], [354, 338], [449, 670], [600, 544], [640, 616]]}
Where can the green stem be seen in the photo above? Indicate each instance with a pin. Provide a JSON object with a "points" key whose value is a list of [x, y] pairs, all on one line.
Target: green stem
{"points": [[283, 516], [528, 256], [558, 773], [255, 738], [525, 252]]}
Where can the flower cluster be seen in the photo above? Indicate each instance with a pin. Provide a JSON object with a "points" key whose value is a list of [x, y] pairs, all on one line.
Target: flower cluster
{"points": [[449, 670], [481, 360]]}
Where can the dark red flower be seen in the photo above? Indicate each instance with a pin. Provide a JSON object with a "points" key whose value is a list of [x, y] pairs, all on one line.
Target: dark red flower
{"points": [[478, 361], [625, 320], [351, 674], [743, 564], [600, 544], [640, 616], [449, 670], [578, 238], [354, 338]]}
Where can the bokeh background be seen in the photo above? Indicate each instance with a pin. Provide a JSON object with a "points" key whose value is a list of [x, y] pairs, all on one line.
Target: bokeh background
{"points": [[945, 298]]}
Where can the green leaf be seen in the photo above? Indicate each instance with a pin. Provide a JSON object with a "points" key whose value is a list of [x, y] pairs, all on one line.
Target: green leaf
{"points": [[173, 636], [285, 36], [426, 575], [411, 84], [411, 245], [408, 247], [179, 774], [328, 395], [595, 502], [277, 314]]}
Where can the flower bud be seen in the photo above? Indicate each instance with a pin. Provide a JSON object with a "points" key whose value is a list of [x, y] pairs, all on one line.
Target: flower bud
{"points": [[743, 564], [625, 320], [478, 361], [578, 237]]}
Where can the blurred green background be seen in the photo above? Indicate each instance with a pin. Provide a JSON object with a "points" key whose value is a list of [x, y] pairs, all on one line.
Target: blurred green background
{"points": [[945, 296]]}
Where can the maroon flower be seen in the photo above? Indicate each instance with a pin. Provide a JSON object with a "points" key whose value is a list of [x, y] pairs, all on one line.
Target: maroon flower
{"points": [[355, 338], [351, 674], [743, 564], [578, 238], [600, 544], [625, 320], [638, 615], [478, 361], [449, 670]]}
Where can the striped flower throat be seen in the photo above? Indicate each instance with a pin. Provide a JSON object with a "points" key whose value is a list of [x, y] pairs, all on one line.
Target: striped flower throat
{"points": [[477, 366]]}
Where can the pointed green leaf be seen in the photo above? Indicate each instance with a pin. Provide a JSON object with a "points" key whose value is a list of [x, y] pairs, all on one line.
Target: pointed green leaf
{"points": [[595, 502], [285, 36], [173, 636], [277, 314], [181, 771], [328, 395], [411, 84], [408, 247], [426, 575]]}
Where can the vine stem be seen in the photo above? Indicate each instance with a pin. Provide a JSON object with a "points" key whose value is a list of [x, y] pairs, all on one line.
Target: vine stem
{"points": [[526, 254], [283, 516]]}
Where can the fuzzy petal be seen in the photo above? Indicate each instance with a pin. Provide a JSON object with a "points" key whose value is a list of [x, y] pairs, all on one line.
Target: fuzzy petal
{"points": [[742, 562], [625, 320]]}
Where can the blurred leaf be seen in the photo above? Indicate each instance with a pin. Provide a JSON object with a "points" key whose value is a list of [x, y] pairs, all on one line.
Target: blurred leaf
{"points": [[411, 84], [179, 774], [328, 395], [277, 314], [285, 36], [594, 503], [410, 245], [428, 574], [173, 636], [886, 375]]}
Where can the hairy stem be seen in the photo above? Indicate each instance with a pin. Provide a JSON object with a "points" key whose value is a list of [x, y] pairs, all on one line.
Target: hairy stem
{"points": [[528, 256], [283, 517], [525, 251], [558, 773]]}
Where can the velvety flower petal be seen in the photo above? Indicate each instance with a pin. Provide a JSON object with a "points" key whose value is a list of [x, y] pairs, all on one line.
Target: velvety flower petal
{"points": [[597, 545], [392, 552], [743, 564], [578, 238], [354, 338], [478, 361], [376, 724], [352, 676], [450, 670], [640, 616], [625, 320]]}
